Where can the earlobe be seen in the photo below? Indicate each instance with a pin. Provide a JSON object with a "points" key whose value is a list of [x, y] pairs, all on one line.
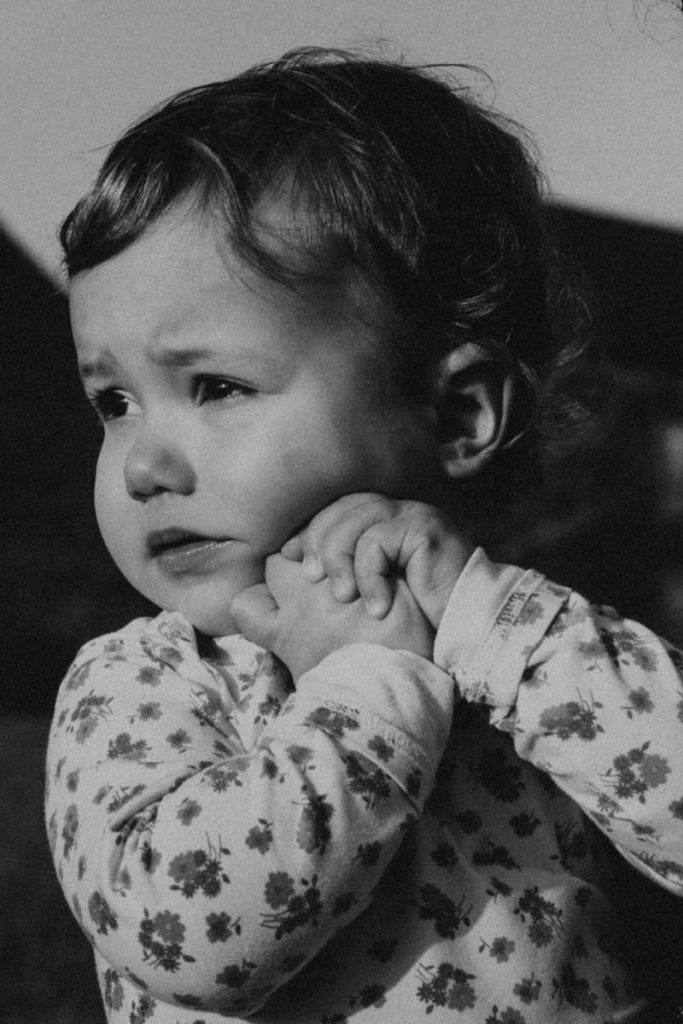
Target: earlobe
{"points": [[474, 399]]}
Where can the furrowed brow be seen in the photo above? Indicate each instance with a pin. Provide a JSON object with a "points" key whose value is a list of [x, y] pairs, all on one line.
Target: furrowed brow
{"points": [[179, 357], [237, 358], [90, 368], [104, 366]]}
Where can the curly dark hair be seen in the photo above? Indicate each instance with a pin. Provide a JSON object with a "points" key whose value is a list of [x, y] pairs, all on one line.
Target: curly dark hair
{"points": [[403, 182]]}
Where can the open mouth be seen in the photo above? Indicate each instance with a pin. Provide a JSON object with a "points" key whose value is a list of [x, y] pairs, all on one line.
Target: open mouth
{"points": [[180, 550], [172, 539]]}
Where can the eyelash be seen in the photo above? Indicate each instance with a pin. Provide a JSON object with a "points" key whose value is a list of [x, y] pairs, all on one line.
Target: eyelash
{"points": [[205, 382], [112, 403], [104, 402]]}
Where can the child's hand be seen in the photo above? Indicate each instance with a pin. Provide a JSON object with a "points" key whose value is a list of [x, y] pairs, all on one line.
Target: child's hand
{"points": [[364, 542], [302, 622]]}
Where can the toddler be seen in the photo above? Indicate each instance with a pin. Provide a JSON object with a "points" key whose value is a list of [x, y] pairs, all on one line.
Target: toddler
{"points": [[353, 770]]}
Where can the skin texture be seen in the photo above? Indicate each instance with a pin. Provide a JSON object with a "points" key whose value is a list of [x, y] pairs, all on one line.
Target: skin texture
{"points": [[233, 410]]}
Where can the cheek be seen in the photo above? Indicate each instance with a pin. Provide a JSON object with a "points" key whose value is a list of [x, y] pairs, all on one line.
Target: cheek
{"points": [[290, 494], [305, 479], [362, 449], [103, 494], [108, 497], [277, 495]]}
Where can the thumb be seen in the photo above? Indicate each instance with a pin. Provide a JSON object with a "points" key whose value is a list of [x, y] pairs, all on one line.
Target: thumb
{"points": [[254, 612]]}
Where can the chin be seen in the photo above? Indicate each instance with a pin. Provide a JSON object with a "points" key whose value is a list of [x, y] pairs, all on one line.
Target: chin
{"points": [[208, 613], [206, 604], [214, 621]]}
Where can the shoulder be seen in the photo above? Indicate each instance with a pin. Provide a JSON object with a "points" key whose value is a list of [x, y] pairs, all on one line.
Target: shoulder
{"points": [[166, 627], [165, 642]]}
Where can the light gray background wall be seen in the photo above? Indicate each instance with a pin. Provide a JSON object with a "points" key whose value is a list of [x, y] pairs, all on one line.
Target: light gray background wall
{"points": [[597, 81]]}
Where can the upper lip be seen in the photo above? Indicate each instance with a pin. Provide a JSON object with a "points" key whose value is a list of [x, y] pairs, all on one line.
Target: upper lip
{"points": [[173, 537]]}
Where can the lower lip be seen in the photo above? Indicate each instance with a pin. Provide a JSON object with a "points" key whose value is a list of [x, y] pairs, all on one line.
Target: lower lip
{"points": [[196, 557]]}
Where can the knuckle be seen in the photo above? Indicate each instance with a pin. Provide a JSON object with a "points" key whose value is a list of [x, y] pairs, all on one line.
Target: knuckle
{"points": [[239, 610], [377, 537], [387, 506], [309, 541], [367, 547], [339, 565]]}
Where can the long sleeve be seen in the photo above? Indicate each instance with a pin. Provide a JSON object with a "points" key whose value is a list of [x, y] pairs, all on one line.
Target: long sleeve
{"points": [[212, 830], [591, 699]]}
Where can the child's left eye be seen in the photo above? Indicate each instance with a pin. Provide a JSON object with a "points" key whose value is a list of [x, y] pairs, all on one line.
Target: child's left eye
{"points": [[216, 389], [110, 403]]}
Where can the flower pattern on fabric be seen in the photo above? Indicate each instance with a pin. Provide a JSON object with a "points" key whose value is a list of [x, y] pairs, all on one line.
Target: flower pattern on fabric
{"points": [[357, 850]]}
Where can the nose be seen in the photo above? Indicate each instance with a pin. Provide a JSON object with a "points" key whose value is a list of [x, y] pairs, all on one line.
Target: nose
{"points": [[156, 463]]}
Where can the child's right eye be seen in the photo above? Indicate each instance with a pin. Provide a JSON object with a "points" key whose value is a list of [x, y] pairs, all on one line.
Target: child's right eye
{"points": [[110, 404]]}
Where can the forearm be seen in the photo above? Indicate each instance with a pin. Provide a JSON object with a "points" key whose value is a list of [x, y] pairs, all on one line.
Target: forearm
{"points": [[246, 861], [592, 700]]}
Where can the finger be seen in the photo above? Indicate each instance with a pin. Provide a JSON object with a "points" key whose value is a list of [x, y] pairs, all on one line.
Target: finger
{"points": [[375, 566], [327, 521], [334, 539], [313, 567], [283, 577], [315, 542], [296, 549], [342, 578], [254, 612], [293, 549]]}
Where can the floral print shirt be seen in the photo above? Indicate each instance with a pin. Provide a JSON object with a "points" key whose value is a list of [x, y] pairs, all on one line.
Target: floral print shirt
{"points": [[394, 840]]}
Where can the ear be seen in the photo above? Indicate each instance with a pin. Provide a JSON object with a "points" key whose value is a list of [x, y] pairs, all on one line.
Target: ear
{"points": [[473, 402]]}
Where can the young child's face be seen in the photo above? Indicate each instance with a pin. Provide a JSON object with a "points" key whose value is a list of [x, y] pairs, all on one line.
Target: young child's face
{"points": [[233, 412]]}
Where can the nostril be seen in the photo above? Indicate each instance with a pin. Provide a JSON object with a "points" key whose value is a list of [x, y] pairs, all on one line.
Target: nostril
{"points": [[155, 467]]}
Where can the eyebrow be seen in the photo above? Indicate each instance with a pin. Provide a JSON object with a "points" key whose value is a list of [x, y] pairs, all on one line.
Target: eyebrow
{"points": [[95, 368], [173, 357], [181, 356], [106, 364]]}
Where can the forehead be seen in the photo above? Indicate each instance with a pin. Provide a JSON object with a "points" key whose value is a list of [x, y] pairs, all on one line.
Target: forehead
{"points": [[178, 290], [172, 270], [178, 276]]}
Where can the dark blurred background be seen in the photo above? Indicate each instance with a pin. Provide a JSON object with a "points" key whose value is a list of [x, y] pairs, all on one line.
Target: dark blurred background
{"points": [[612, 528]]}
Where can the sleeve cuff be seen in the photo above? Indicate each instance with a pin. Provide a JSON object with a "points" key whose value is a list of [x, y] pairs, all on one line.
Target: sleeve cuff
{"points": [[495, 618]]}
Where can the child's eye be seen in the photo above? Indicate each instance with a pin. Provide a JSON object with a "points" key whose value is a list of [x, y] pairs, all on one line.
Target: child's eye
{"points": [[110, 404], [208, 388]]}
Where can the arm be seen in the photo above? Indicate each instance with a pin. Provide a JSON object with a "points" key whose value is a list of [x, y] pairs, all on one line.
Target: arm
{"points": [[209, 858], [591, 699]]}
